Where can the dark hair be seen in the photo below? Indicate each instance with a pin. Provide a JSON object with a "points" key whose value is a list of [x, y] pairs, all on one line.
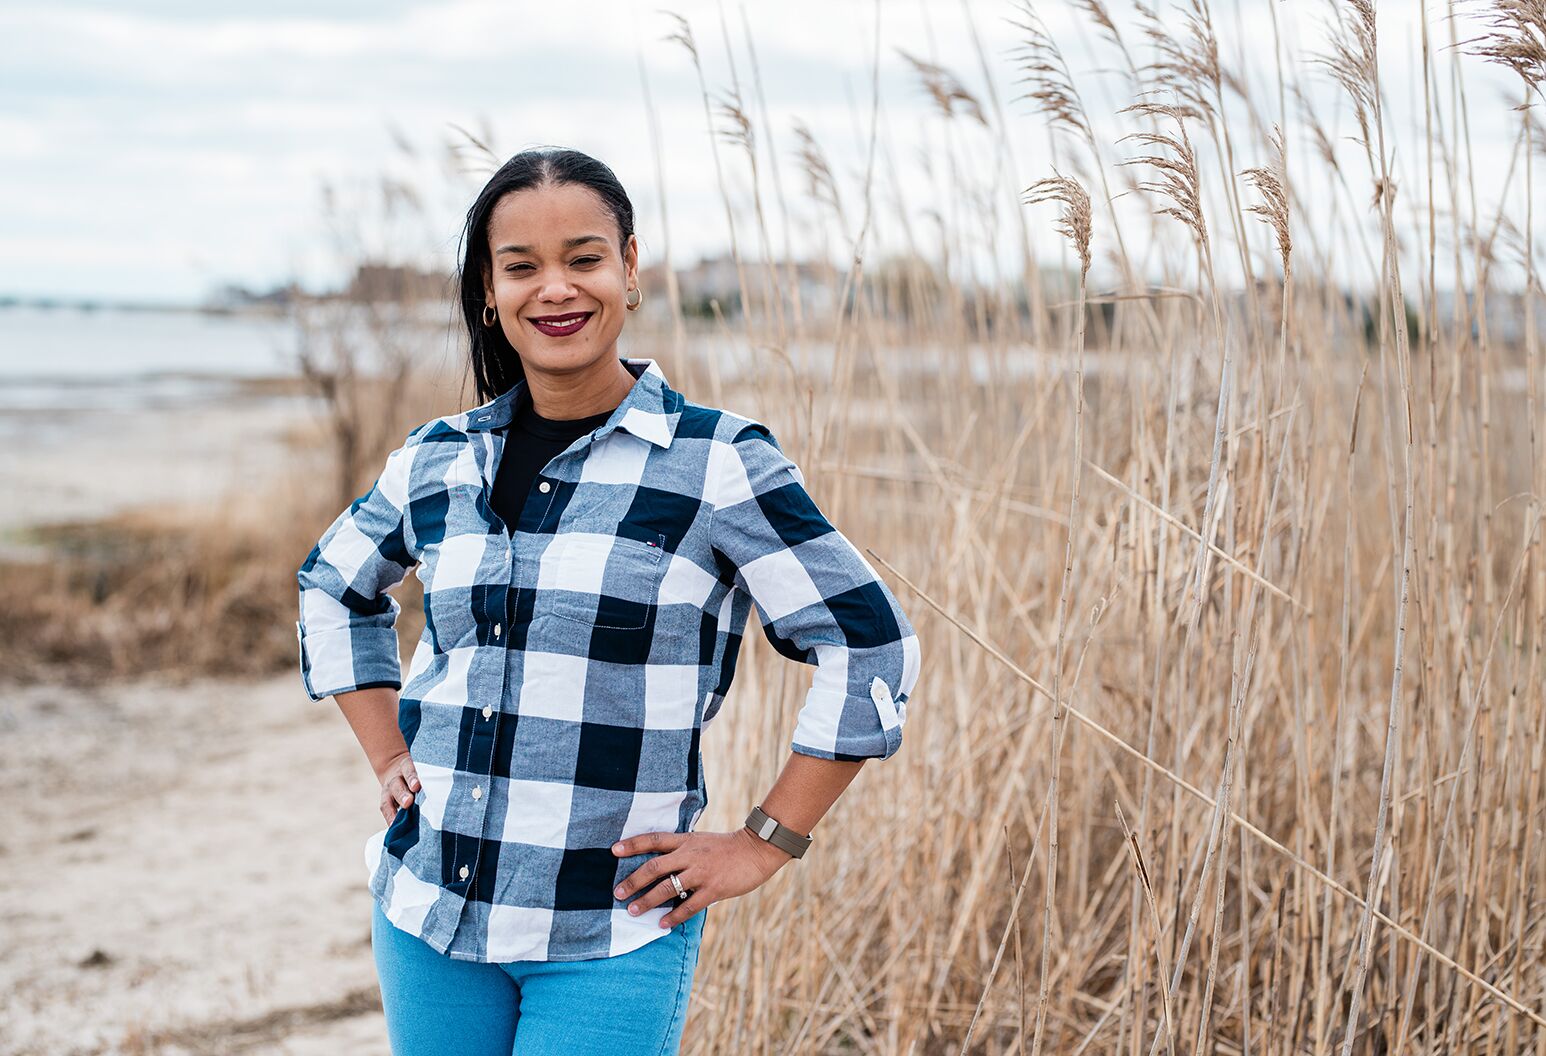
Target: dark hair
{"points": [[495, 365]]}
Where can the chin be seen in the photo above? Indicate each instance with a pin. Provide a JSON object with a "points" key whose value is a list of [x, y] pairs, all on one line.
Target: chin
{"points": [[558, 356]]}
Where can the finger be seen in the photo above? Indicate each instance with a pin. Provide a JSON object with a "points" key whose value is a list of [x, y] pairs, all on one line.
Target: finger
{"points": [[649, 841], [650, 871], [398, 790], [695, 901], [661, 892], [410, 775], [643, 876]]}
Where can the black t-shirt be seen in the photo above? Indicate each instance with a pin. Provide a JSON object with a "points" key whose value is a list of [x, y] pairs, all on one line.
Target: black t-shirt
{"points": [[531, 441]]}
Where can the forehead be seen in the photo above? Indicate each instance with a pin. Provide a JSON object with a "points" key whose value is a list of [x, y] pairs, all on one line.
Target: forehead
{"points": [[543, 217]]}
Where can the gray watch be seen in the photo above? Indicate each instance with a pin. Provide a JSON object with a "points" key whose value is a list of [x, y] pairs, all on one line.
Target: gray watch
{"points": [[777, 833]]}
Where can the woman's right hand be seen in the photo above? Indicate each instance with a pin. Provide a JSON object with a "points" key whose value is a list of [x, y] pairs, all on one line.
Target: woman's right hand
{"points": [[399, 782]]}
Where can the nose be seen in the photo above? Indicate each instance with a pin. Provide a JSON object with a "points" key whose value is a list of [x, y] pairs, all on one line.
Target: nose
{"points": [[556, 290]]}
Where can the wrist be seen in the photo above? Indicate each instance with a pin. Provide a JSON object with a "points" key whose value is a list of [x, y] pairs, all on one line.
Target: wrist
{"points": [[776, 856], [768, 829], [380, 764]]}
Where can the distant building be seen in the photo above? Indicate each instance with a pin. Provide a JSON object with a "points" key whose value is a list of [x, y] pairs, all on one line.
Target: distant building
{"points": [[232, 296], [398, 282], [714, 279]]}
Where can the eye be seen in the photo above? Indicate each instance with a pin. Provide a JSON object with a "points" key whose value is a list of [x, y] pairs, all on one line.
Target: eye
{"points": [[579, 261]]}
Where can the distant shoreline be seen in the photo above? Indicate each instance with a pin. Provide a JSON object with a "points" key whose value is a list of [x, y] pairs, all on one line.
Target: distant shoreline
{"points": [[62, 304], [237, 435]]}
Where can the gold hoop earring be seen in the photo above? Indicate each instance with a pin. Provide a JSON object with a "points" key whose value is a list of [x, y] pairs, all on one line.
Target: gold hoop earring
{"points": [[636, 301], [488, 320]]}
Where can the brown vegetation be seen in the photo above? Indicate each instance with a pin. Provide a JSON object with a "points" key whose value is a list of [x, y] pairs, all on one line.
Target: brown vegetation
{"points": [[1231, 729]]}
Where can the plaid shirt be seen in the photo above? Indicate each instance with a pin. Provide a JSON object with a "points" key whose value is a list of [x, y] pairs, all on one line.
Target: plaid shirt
{"points": [[568, 663]]}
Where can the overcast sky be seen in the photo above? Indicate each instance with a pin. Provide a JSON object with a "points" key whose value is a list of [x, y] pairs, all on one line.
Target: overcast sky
{"points": [[154, 149]]}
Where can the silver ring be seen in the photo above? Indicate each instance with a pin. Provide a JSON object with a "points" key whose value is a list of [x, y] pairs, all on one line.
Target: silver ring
{"points": [[676, 883]]}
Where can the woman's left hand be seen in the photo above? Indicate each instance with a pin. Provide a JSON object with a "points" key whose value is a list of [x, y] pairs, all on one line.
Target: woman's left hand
{"points": [[712, 866]]}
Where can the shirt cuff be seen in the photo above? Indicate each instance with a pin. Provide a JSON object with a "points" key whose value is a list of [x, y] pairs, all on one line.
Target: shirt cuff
{"points": [[850, 727], [348, 658]]}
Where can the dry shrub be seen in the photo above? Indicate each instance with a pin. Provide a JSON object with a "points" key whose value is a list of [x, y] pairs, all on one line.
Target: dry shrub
{"points": [[205, 589], [1290, 634]]}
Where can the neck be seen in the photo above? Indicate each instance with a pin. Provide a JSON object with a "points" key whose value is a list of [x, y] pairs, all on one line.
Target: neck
{"points": [[569, 394]]}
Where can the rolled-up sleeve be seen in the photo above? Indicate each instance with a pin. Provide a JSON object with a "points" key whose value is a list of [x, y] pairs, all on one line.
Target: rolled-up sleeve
{"points": [[820, 602], [347, 625]]}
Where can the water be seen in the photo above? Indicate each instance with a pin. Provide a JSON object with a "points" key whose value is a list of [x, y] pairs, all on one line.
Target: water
{"points": [[64, 358], [110, 409]]}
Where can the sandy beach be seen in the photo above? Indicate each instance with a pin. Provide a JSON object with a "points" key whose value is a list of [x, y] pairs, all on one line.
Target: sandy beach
{"points": [[166, 887], [109, 460]]}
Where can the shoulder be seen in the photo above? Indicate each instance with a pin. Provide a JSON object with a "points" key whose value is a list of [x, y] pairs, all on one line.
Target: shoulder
{"points": [[721, 425], [745, 459], [444, 434], [422, 458], [446, 428]]}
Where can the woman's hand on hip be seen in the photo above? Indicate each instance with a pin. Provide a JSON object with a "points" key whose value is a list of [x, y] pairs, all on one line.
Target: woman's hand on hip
{"points": [[712, 866], [399, 782]]}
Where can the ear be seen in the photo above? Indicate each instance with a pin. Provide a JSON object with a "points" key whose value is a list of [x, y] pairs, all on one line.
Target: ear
{"points": [[631, 261], [488, 282]]}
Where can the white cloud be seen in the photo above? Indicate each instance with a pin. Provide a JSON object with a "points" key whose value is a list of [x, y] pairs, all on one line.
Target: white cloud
{"points": [[172, 132]]}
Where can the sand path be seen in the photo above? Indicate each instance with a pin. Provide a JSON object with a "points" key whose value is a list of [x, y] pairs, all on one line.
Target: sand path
{"points": [[181, 872]]}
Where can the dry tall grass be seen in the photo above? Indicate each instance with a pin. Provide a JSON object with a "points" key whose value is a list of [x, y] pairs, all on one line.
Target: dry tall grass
{"points": [[1230, 734]]}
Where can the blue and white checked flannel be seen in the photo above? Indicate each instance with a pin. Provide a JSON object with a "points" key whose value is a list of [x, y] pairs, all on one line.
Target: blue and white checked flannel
{"points": [[554, 701]]}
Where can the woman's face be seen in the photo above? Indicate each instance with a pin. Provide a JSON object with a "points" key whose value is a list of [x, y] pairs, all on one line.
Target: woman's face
{"points": [[555, 255]]}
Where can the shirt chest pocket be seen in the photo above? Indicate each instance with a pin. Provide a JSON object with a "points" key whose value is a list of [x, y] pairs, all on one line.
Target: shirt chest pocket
{"points": [[600, 580]]}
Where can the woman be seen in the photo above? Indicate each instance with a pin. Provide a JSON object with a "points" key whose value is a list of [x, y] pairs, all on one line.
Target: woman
{"points": [[590, 543]]}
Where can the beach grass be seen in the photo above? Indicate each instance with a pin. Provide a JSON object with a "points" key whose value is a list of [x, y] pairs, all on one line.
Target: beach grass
{"points": [[1227, 568]]}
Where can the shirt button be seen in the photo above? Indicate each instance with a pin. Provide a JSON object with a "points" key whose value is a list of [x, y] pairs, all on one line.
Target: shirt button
{"points": [[488, 709], [544, 486], [477, 791], [497, 628], [463, 873]]}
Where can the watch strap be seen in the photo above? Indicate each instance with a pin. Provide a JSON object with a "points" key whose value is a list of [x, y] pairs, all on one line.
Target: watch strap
{"points": [[777, 833]]}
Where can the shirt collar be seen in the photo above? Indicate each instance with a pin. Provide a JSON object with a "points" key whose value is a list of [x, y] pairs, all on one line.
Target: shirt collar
{"points": [[649, 411]]}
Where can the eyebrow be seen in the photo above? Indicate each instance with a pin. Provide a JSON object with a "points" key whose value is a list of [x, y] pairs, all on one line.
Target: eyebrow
{"points": [[569, 243]]}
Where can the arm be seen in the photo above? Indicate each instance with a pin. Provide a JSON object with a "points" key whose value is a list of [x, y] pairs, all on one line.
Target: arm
{"points": [[372, 714], [347, 625], [819, 601], [804, 792], [721, 865]]}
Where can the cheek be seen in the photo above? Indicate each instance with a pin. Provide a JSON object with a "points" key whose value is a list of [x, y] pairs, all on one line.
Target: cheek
{"points": [[616, 317], [612, 297], [610, 292]]}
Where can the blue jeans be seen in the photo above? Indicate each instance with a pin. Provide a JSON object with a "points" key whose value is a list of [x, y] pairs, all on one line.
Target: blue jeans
{"points": [[633, 1004]]}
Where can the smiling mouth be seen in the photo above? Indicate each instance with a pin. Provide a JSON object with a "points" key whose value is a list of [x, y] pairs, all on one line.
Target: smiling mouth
{"points": [[561, 325]]}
